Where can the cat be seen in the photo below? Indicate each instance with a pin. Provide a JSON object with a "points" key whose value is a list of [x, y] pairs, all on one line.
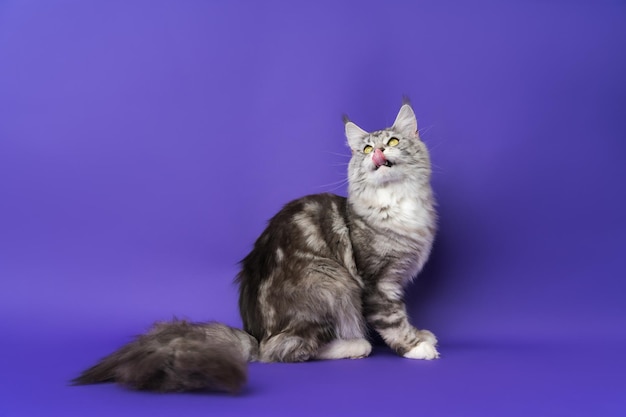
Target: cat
{"points": [[325, 268]]}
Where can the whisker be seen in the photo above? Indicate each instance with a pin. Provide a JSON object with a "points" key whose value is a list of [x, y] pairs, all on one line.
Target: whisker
{"points": [[335, 185], [338, 154], [436, 169], [425, 130]]}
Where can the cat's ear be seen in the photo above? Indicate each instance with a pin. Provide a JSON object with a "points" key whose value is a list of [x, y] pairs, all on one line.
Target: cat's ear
{"points": [[354, 134], [406, 123]]}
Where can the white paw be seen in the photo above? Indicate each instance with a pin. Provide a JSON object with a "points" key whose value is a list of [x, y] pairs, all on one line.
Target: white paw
{"points": [[345, 349], [423, 350]]}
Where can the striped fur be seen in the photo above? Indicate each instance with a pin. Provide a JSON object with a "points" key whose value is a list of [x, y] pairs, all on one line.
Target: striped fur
{"points": [[324, 269]]}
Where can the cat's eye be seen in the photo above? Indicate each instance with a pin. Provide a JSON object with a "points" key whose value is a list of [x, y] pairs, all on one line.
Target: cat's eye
{"points": [[393, 142], [368, 149]]}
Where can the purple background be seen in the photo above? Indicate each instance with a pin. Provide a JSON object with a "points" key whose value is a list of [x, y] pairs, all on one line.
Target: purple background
{"points": [[144, 144]]}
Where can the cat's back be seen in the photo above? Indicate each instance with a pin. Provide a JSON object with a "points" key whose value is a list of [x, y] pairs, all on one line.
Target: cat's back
{"points": [[318, 208], [313, 225], [307, 236]]}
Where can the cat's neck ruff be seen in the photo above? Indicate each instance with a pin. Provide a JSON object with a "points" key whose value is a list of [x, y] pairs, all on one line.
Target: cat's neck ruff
{"points": [[401, 208]]}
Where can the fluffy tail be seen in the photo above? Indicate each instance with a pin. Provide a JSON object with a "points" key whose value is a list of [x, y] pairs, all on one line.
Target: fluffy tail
{"points": [[179, 356]]}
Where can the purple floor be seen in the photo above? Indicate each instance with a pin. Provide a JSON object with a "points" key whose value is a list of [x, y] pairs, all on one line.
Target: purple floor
{"points": [[144, 144]]}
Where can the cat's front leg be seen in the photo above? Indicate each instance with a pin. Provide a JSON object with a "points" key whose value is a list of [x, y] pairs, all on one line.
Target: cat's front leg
{"points": [[386, 313], [426, 348]]}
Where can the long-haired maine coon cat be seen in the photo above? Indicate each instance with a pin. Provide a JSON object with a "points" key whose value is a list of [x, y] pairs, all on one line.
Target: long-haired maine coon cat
{"points": [[324, 269]]}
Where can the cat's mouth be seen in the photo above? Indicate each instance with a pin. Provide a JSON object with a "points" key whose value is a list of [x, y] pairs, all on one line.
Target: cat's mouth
{"points": [[380, 160], [387, 164]]}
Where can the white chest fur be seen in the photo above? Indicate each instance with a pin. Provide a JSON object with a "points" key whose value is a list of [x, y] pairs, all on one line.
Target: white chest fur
{"points": [[402, 210], [405, 220]]}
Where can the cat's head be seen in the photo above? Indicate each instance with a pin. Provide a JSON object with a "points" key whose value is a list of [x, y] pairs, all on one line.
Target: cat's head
{"points": [[388, 156]]}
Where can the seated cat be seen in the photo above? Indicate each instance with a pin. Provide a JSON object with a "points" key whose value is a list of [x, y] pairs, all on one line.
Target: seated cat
{"points": [[324, 269]]}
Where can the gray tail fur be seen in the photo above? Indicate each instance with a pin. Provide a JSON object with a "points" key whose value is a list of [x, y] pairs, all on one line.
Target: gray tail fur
{"points": [[179, 356]]}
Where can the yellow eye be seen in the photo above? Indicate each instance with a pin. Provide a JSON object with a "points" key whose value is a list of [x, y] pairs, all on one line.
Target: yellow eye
{"points": [[393, 142], [368, 149]]}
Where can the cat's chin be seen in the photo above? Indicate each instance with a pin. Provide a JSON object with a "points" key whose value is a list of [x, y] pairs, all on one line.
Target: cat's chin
{"points": [[384, 175]]}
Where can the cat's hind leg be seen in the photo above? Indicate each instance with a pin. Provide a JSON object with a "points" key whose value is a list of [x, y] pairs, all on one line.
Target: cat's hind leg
{"points": [[322, 305], [297, 344], [345, 349]]}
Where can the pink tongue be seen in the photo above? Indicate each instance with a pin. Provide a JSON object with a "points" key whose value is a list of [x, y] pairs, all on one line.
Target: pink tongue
{"points": [[379, 158]]}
